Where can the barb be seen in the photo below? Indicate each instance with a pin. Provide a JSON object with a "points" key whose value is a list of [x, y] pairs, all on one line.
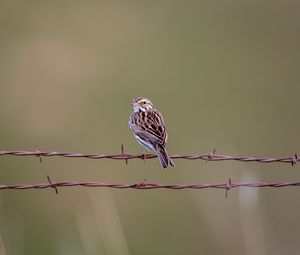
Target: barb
{"points": [[228, 187], [38, 153], [144, 185], [125, 156], [52, 185]]}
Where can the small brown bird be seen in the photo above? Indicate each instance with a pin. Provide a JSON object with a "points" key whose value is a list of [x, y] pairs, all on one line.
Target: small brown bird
{"points": [[148, 127]]}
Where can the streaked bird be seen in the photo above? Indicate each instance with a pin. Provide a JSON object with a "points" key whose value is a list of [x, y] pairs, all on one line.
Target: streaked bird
{"points": [[148, 127]]}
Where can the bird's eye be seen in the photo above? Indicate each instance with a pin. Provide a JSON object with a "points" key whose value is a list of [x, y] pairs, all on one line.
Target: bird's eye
{"points": [[144, 102]]}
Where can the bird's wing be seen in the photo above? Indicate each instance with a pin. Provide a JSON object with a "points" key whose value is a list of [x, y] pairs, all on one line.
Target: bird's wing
{"points": [[150, 127]]}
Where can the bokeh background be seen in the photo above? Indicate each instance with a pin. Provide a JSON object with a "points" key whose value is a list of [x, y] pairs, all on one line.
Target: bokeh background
{"points": [[225, 74]]}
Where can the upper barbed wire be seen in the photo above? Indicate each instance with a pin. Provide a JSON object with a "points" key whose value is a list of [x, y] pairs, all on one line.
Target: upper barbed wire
{"points": [[211, 156]]}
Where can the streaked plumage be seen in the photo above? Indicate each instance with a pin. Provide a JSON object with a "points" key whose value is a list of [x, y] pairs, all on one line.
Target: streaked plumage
{"points": [[148, 127]]}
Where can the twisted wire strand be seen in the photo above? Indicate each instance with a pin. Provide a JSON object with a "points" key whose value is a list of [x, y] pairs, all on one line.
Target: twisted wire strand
{"points": [[144, 185], [125, 156]]}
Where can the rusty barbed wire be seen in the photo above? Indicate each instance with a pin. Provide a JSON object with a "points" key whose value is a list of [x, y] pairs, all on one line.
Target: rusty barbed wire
{"points": [[145, 185], [212, 156]]}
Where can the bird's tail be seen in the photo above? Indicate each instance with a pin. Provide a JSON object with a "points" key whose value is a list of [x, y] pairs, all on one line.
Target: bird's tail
{"points": [[163, 157]]}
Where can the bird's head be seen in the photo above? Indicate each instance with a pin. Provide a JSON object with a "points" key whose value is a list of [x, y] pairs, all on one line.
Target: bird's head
{"points": [[142, 104]]}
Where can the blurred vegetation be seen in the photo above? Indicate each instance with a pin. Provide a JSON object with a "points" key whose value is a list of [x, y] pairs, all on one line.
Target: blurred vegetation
{"points": [[225, 75]]}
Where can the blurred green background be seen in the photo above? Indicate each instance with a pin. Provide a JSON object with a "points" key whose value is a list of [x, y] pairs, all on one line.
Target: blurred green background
{"points": [[225, 75]]}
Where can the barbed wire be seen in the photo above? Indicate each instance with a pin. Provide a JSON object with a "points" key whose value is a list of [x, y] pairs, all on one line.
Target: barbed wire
{"points": [[211, 156], [146, 186]]}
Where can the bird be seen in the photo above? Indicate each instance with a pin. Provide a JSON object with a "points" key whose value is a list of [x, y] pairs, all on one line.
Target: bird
{"points": [[148, 127]]}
